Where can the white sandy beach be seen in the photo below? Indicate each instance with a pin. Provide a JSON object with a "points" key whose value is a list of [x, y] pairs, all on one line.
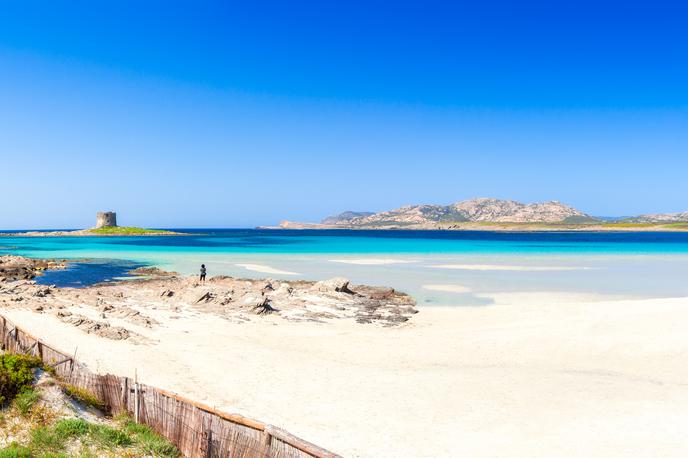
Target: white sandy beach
{"points": [[535, 375]]}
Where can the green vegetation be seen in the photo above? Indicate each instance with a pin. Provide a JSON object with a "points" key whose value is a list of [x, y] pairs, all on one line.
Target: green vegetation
{"points": [[123, 230], [25, 400], [15, 451], [624, 225], [660, 226], [82, 395], [149, 441], [54, 439], [16, 375], [580, 220], [38, 431], [681, 225], [77, 437], [71, 434]]}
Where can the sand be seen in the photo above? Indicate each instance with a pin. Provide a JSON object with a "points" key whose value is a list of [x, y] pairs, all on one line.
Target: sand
{"points": [[535, 375]]}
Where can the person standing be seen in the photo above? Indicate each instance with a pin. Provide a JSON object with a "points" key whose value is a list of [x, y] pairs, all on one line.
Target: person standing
{"points": [[202, 273]]}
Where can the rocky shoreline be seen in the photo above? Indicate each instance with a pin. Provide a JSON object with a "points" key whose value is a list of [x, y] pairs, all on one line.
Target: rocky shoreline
{"points": [[13, 268], [116, 310]]}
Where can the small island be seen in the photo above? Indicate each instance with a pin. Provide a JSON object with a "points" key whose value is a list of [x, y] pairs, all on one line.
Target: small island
{"points": [[106, 225]]}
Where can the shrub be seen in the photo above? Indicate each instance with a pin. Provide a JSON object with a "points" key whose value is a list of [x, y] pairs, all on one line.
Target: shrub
{"points": [[16, 375]]}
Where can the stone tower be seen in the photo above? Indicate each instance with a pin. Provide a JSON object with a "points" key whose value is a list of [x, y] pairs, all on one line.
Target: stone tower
{"points": [[106, 219]]}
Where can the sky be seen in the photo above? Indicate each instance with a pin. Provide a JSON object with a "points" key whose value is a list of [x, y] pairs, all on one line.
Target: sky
{"points": [[223, 114]]}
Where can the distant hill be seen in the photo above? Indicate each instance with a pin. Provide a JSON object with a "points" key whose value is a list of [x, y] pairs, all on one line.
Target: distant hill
{"points": [[660, 218], [344, 217], [481, 210]]}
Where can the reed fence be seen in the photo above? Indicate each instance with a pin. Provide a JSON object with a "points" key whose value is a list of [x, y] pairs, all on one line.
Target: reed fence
{"points": [[195, 429]]}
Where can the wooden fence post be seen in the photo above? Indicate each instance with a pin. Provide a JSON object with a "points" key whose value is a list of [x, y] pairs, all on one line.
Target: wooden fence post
{"points": [[136, 402], [265, 442], [209, 450], [125, 394]]}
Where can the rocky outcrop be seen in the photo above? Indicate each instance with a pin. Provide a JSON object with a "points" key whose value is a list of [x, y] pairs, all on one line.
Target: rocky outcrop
{"points": [[14, 268], [125, 310]]}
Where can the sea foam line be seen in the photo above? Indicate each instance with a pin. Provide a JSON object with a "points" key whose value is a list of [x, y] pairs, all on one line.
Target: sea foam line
{"points": [[266, 269], [372, 261], [505, 267], [448, 288]]}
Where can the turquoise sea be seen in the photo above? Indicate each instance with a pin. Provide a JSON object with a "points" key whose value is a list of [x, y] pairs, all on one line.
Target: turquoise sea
{"points": [[436, 267]]}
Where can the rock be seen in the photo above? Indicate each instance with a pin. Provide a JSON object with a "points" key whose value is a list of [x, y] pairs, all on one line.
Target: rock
{"points": [[207, 297], [284, 289], [336, 284], [252, 301], [263, 307], [42, 292], [382, 294]]}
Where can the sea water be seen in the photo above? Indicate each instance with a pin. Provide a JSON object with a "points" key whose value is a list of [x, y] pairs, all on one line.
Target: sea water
{"points": [[436, 267]]}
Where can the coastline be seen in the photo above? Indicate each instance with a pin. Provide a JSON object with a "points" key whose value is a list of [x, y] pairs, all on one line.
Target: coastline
{"points": [[90, 233], [491, 227], [535, 365]]}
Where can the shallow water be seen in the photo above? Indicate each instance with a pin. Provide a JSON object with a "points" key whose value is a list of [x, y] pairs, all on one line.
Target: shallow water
{"points": [[436, 267], [91, 272]]}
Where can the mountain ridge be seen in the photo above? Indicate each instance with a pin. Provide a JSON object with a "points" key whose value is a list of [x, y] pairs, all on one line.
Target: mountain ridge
{"points": [[493, 214], [479, 210]]}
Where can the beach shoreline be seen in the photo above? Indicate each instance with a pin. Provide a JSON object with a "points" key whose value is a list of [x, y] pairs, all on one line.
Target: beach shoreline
{"points": [[533, 374]]}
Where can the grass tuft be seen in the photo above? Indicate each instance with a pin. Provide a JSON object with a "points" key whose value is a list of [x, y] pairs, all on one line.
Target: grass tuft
{"points": [[109, 437], [148, 440], [25, 401], [71, 427], [15, 450], [83, 396]]}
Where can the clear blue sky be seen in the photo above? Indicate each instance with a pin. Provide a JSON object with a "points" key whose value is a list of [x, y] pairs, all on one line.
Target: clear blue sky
{"points": [[215, 114]]}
